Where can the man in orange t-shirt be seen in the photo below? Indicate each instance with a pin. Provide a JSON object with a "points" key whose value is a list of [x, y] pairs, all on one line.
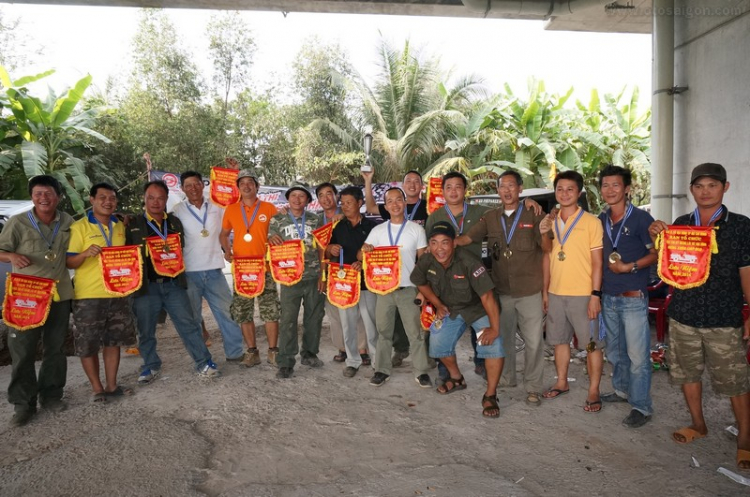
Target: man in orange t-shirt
{"points": [[249, 219]]}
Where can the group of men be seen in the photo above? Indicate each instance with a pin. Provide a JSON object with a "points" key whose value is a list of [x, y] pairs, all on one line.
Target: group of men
{"points": [[588, 275]]}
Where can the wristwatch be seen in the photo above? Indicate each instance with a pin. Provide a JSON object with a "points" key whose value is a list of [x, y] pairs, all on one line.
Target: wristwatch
{"points": [[596, 293], [635, 268]]}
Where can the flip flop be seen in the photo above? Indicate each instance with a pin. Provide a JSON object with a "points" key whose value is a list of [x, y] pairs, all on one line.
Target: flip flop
{"points": [[743, 456], [689, 434], [589, 405], [99, 398], [120, 391], [556, 391]]}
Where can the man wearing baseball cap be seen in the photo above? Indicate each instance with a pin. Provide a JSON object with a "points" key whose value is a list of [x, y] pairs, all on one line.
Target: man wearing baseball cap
{"points": [[706, 325], [249, 219], [298, 224], [460, 288]]}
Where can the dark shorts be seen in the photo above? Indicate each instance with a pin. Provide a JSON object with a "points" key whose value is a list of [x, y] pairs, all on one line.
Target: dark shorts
{"points": [[102, 323]]}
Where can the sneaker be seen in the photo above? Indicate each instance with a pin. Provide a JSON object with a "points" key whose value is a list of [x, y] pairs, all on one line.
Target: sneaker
{"points": [[424, 381], [350, 371], [398, 358], [636, 419], [251, 358], [313, 362], [284, 373], [21, 418], [210, 370], [147, 376], [54, 405], [379, 379], [272, 354], [613, 397]]}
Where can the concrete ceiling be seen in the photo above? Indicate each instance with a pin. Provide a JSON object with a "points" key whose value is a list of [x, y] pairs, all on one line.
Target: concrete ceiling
{"points": [[622, 16]]}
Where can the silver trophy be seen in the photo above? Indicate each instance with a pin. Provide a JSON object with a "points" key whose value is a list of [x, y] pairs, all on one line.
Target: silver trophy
{"points": [[367, 142]]}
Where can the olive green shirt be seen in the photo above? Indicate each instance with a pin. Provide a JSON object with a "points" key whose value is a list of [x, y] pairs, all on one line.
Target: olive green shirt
{"points": [[20, 237], [473, 214], [459, 286], [519, 275]]}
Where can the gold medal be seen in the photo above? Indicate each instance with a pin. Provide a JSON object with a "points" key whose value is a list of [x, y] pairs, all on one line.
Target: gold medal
{"points": [[614, 257], [437, 324], [341, 273], [591, 346], [561, 256], [204, 233], [50, 255], [508, 252], [248, 237], [165, 248]]}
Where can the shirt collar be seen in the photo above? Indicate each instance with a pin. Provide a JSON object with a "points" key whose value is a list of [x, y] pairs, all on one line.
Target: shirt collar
{"points": [[92, 219]]}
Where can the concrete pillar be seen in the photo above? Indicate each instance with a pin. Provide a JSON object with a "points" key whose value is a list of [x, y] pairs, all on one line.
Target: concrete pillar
{"points": [[662, 110]]}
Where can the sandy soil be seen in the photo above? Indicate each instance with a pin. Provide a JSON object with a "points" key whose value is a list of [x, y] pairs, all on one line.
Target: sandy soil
{"points": [[320, 434]]}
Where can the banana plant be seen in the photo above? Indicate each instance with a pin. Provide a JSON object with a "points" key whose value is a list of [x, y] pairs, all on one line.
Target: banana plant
{"points": [[47, 136]]}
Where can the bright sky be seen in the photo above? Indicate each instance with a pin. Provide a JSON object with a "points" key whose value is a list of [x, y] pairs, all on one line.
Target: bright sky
{"points": [[96, 40]]}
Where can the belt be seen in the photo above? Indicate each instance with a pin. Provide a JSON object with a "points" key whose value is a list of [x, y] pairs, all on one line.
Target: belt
{"points": [[631, 293]]}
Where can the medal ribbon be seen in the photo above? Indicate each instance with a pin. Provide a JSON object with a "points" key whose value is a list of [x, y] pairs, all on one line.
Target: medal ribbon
{"points": [[608, 227], [300, 229], [453, 219], [244, 215], [398, 236], [205, 214], [108, 241], [716, 215], [602, 328], [51, 241], [410, 217], [509, 236], [155, 229], [341, 258], [326, 220], [564, 239]]}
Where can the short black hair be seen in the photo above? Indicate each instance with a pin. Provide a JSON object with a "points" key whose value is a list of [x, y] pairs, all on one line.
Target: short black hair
{"points": [[394, 188], [518, 178], [190, 174], [104, 186], [353, 191], [572, 176], [327, 184], [412, 171], [612, 170], [455, 174], [45, 180], [157, 182]]}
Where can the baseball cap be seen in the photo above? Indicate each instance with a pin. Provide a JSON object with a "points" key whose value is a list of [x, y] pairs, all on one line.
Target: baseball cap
{"points": [[300, 187], [710, 169], [442, 228], [246, 173]]}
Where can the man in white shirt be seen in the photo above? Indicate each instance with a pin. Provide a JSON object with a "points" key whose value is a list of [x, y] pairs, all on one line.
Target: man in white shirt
{"points": [[411, 240], [204, 261]]}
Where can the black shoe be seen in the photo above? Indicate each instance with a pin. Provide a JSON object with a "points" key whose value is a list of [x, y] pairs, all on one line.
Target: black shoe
{"points": [[350, 371], [284, 373], [613, 397], [313, 362], [54, 405], [636, 419], [379, 379], [21, 418], [424, 381], [398, 358]]}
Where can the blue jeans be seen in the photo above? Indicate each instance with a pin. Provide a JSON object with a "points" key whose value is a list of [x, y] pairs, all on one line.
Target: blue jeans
{"points": [[443, 341], [628, 349], [172, 298], [212, 286]]}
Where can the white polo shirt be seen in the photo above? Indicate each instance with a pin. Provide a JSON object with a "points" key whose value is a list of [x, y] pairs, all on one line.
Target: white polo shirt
{"points": [[201, 253], [412, 239]]}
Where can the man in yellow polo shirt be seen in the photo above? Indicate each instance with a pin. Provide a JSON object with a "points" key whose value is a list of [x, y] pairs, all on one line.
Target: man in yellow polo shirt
{"points": [[249, 219], [573, 239], [102, 321]]}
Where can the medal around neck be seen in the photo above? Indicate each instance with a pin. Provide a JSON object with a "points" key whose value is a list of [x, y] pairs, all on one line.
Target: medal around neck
{"points": [[561, 256], [50, 256], [614, 257], [204, 233], [248, 237], [341, 273]]}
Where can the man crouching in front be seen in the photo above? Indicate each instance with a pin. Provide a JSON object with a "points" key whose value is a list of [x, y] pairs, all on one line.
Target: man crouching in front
{"points": [[460, 288]]}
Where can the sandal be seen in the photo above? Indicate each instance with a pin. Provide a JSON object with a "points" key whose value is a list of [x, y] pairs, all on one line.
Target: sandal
{"points": [[743, 459], [366, 361], [687, 435], [99, 398], [592, 407], [492, 410], [120, 392], [451, 385], [340, 357]]}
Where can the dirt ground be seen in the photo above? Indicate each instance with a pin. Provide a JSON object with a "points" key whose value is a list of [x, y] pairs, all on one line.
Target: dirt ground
{"points": [[320, 434]]}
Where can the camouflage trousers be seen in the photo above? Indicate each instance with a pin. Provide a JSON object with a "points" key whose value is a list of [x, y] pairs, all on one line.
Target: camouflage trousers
{"points": [[243, 308]]}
